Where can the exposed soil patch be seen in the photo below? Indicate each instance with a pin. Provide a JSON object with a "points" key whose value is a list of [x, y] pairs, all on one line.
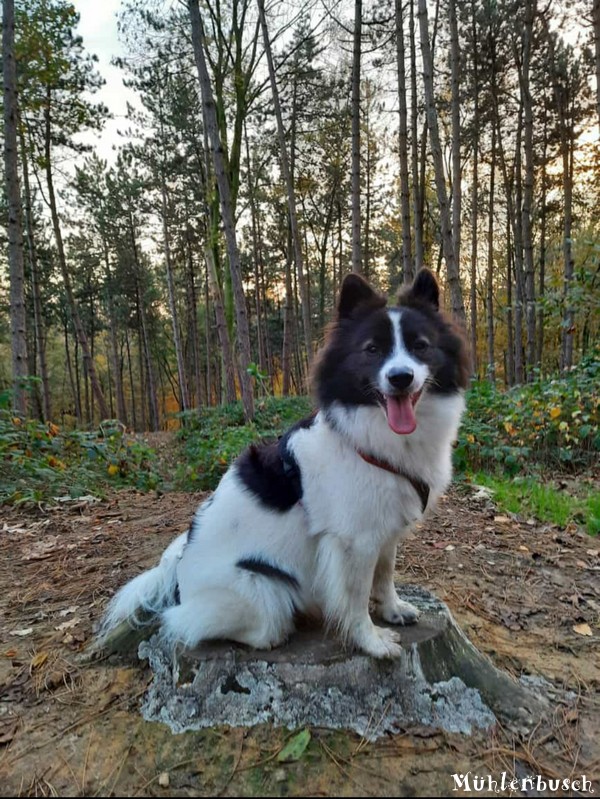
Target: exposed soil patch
{"points": [[527, 594]]}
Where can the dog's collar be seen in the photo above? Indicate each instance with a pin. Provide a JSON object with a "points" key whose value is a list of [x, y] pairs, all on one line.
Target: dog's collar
{"points": [[419, 485]]}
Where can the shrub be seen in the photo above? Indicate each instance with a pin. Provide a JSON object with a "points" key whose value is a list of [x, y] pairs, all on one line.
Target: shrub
{"points": [[549, 422], [39, 462]]}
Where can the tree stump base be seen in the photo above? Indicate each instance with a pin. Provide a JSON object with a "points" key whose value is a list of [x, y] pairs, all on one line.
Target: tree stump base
{"points": [[441, 680]]}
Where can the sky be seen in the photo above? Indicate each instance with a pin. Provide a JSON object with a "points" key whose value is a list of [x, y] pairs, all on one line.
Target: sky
{"points": [[98, 27]]}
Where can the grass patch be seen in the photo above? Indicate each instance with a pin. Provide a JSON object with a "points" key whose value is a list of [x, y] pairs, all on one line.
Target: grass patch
{"points": [[546, 502]]}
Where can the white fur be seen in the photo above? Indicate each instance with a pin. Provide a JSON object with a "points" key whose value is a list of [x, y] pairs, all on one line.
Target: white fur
{"points": [[339, 541], [401, 359]]}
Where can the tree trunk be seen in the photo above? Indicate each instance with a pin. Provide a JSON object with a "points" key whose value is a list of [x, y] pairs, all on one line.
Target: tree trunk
{"points": [[38, 316], [222, 330], [596, 26], [414, 113], [407, 260], [289, 184], [474, 192], [72, 382], [527, 36], [114, 353], [357, 265], [455, 115], [18, 332], [183, 388], [152, 396], [491, 359], [542, 262], [456, 297], [79, 329], [210, 120]]}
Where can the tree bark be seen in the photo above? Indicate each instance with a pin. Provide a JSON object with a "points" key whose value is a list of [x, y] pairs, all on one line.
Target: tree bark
{"points": [[455, 69], [407, 260], [38, 316], [596, 26], [120, 394], [456, 296], [357, 265], [474, 192], [414, 113], [222, 330], [530, 320], [18, 331], [491, 359], [210, 120]]}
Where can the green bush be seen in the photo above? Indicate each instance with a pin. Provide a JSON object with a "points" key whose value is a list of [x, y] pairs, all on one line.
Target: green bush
{"points": [[550, 422], [39, 462]]}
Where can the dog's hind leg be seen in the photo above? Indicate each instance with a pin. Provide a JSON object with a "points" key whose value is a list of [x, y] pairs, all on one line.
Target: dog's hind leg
{"points": [[221, 613], [387, 604]]}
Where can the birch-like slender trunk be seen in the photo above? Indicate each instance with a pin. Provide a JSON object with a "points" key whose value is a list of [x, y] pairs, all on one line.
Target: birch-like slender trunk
{"points": [[474, 192], [407, 260], [18, 331], [453, 276], [210, 120], [357, 265], [38, 316], [526, 211], [491, 359], [455, 71], [414, 114]]}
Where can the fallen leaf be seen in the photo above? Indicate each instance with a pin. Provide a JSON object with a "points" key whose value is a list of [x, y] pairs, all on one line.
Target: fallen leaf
{"points": [[594, 553], [11, 653], [163, 779], [38, 660], [295, 748], [581, 564], [583, 629], [449, 548], [523, 548], [22, 633], [66, 625], [68, 611], [501, 519]]}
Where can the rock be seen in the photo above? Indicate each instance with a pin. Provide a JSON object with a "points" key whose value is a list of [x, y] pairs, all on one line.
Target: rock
{"points": [[441, 680]]}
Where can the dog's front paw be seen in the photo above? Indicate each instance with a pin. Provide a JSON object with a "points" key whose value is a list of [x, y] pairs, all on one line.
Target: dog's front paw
{"points": [[380, 642], [399, 612]]}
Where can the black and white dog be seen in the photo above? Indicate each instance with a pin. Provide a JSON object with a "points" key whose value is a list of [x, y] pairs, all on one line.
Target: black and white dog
{"points": [[311, 523]]}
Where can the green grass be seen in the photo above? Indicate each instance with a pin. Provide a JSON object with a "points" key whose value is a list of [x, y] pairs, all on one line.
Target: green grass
{"points": [[544, 501]]}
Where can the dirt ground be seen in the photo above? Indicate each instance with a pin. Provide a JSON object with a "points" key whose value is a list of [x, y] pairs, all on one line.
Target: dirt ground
{"points": [[527, 594]]}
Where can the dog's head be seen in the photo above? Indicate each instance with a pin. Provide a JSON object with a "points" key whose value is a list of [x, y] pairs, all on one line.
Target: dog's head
{"points": [[390, 356]]}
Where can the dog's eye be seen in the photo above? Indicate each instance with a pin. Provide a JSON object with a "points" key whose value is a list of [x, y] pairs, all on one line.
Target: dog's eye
{"points": [[372, 348], [421, 344]]}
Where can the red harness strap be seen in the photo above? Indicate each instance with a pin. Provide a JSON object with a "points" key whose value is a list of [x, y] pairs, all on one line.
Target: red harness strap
{"points": [[420, 486]]}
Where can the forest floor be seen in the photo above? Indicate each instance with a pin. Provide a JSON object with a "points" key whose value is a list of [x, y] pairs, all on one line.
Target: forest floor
{"points": [[526, 593]]}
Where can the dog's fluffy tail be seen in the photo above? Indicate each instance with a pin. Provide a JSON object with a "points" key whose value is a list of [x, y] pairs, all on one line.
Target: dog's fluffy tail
{"points": [[147, 594]]}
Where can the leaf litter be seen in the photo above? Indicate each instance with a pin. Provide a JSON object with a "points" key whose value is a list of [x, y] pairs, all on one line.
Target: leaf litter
{"points": [[528, 595]]}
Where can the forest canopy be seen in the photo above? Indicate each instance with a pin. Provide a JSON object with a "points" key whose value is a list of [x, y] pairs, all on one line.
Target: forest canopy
{"points": [[272, 149]]}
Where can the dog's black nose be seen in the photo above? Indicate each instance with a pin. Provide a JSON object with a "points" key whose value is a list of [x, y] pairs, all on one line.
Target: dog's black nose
{"points": [[400, 378]]}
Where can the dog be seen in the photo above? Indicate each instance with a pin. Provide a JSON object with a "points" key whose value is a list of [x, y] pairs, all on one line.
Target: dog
{"points": [[309, 525]]}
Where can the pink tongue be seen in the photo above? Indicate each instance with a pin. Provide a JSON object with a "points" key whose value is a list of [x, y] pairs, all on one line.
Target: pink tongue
{"points": [[400, 414]]}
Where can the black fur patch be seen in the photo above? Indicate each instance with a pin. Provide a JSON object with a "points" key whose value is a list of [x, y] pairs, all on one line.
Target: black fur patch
{"points": [[270, 471], [445, 355], [347, 368], [259, 566]]}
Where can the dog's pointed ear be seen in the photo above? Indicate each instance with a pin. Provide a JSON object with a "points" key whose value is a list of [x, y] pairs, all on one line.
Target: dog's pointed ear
{"points": [[424, 289], [355, 291]]}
